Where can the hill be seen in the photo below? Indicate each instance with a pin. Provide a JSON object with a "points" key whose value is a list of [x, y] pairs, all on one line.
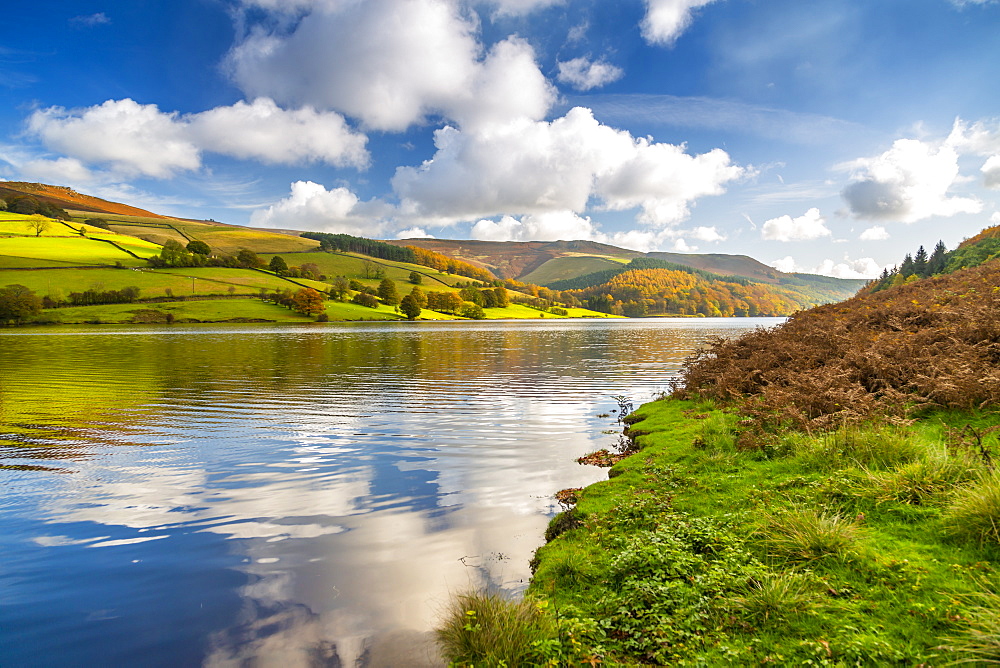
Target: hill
{"points": [[69, 199], [563, 265]]}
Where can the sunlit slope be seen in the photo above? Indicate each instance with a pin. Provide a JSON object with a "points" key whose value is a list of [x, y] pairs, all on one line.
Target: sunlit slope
{"points": [[563, 268]]}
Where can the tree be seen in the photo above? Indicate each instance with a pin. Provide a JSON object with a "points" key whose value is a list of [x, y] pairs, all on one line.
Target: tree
{"points": [[308, 302], [472, 311], [416, 278], [310, 270], [98, 222], [199, 247], [935, 265], [339, 288], [920, 262], [365, 299], [503, 299], [409, 307], [18, 303], [387, 292], [419, 296], [248, 259], [174, 255], [38, 224], [278, 265]]}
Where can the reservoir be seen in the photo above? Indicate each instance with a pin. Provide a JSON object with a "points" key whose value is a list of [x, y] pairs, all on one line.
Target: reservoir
{"points": [[294, 495]]}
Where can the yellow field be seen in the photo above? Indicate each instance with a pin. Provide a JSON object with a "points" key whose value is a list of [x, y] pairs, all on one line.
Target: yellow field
{"points": [[74, 250]]}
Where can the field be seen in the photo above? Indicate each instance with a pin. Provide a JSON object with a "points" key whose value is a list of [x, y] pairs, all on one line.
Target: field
{"points": [[75, 250], [351, 265], [152, 282], [563, 268], [210, 310]]}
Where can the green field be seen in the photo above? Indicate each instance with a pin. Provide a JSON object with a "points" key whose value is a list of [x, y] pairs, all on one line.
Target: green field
{"points": [[212, 310], [351, 265], [563, 268], [75, 250], [152, 282]]}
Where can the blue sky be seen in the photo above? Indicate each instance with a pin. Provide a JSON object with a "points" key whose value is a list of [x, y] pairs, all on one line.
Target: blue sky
{"points": [[830, 136]]}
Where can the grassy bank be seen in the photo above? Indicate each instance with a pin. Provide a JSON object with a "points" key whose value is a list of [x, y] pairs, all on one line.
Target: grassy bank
{"points": [[869, 545]]}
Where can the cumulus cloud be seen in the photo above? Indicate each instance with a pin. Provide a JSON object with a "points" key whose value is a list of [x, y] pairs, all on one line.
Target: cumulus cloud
{"points": [[876, 233], [60, 170], [547, 226], [991, 172], [666, 20], [907, 183], [131, 137], [865, 267], [310, 206], [584, 74], [707, 234], [810, 225], [535, 167], [392, 63], [261, 130], [413, 233], [139, 139], [995, 218]]}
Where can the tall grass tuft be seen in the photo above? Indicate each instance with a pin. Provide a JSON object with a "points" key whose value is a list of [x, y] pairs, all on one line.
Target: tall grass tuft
{"points": [[974, 512], [489, 630], [979, 642], [805, 535], [923, 481], [776, 598]]}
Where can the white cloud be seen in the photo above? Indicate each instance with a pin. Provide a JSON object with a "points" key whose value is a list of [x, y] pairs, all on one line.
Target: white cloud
{"points": [[530, 167], [666, 20], [707, 234], [131, 137], [682, 246], [91, 20], [263, 131], [547, 226], [865, 267], [584, 74], [810, 225], [907, 183], [995, 218], [521, 7], [392, 63], [60, 170], [310, 206], [876, 233], [991, 172], [413, 233], [138, 139]]}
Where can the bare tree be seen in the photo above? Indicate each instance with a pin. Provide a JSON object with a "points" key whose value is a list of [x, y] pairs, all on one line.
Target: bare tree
{"points": [[38, 224]]}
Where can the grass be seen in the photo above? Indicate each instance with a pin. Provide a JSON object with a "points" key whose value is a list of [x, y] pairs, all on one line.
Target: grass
{"points": [[352, 265], [488, 630], [76, 250], [214, 310], [700, 551], [562, 268], [974, 512]]}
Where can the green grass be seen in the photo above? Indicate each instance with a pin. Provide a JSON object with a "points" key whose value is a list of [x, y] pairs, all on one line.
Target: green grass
{"points": [[74, 249], [352, 265], [830, 549], [563, 268], [214, 310]]}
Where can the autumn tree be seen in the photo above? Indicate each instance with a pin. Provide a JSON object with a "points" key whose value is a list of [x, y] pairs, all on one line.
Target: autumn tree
{"points": [[308, 302], [387, 292], [409, 306]]}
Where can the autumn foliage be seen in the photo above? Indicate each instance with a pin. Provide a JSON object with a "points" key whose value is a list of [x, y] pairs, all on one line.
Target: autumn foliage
{"points": [[932, 342]]}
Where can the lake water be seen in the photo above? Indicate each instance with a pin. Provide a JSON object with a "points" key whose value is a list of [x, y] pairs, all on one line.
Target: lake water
{"points": [[297, 495]]}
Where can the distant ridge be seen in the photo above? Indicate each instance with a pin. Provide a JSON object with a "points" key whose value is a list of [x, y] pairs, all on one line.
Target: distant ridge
{"points": [[67, 198]]}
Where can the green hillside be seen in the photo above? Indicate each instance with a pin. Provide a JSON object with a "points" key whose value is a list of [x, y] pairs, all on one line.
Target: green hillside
{"points": [[564, 268]]}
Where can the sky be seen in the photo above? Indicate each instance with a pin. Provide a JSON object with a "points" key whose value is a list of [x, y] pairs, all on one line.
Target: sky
{"points": [[829, 136]]}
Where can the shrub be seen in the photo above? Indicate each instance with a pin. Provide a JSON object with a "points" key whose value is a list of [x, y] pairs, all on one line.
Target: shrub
{"points": [[365, 299], [974, 512]]}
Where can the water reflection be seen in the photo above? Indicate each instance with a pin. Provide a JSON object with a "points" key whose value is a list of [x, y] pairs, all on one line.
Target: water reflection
{"points": [[292, 495]]}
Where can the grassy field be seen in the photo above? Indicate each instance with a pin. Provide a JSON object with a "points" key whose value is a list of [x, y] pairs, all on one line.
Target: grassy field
{"points": [[57, 282], [75, 250], [562, 268], [351, 265], [233, 239]]}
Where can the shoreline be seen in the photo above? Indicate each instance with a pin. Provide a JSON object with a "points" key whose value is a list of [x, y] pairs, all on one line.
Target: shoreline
{"points": [[686, 554]]}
